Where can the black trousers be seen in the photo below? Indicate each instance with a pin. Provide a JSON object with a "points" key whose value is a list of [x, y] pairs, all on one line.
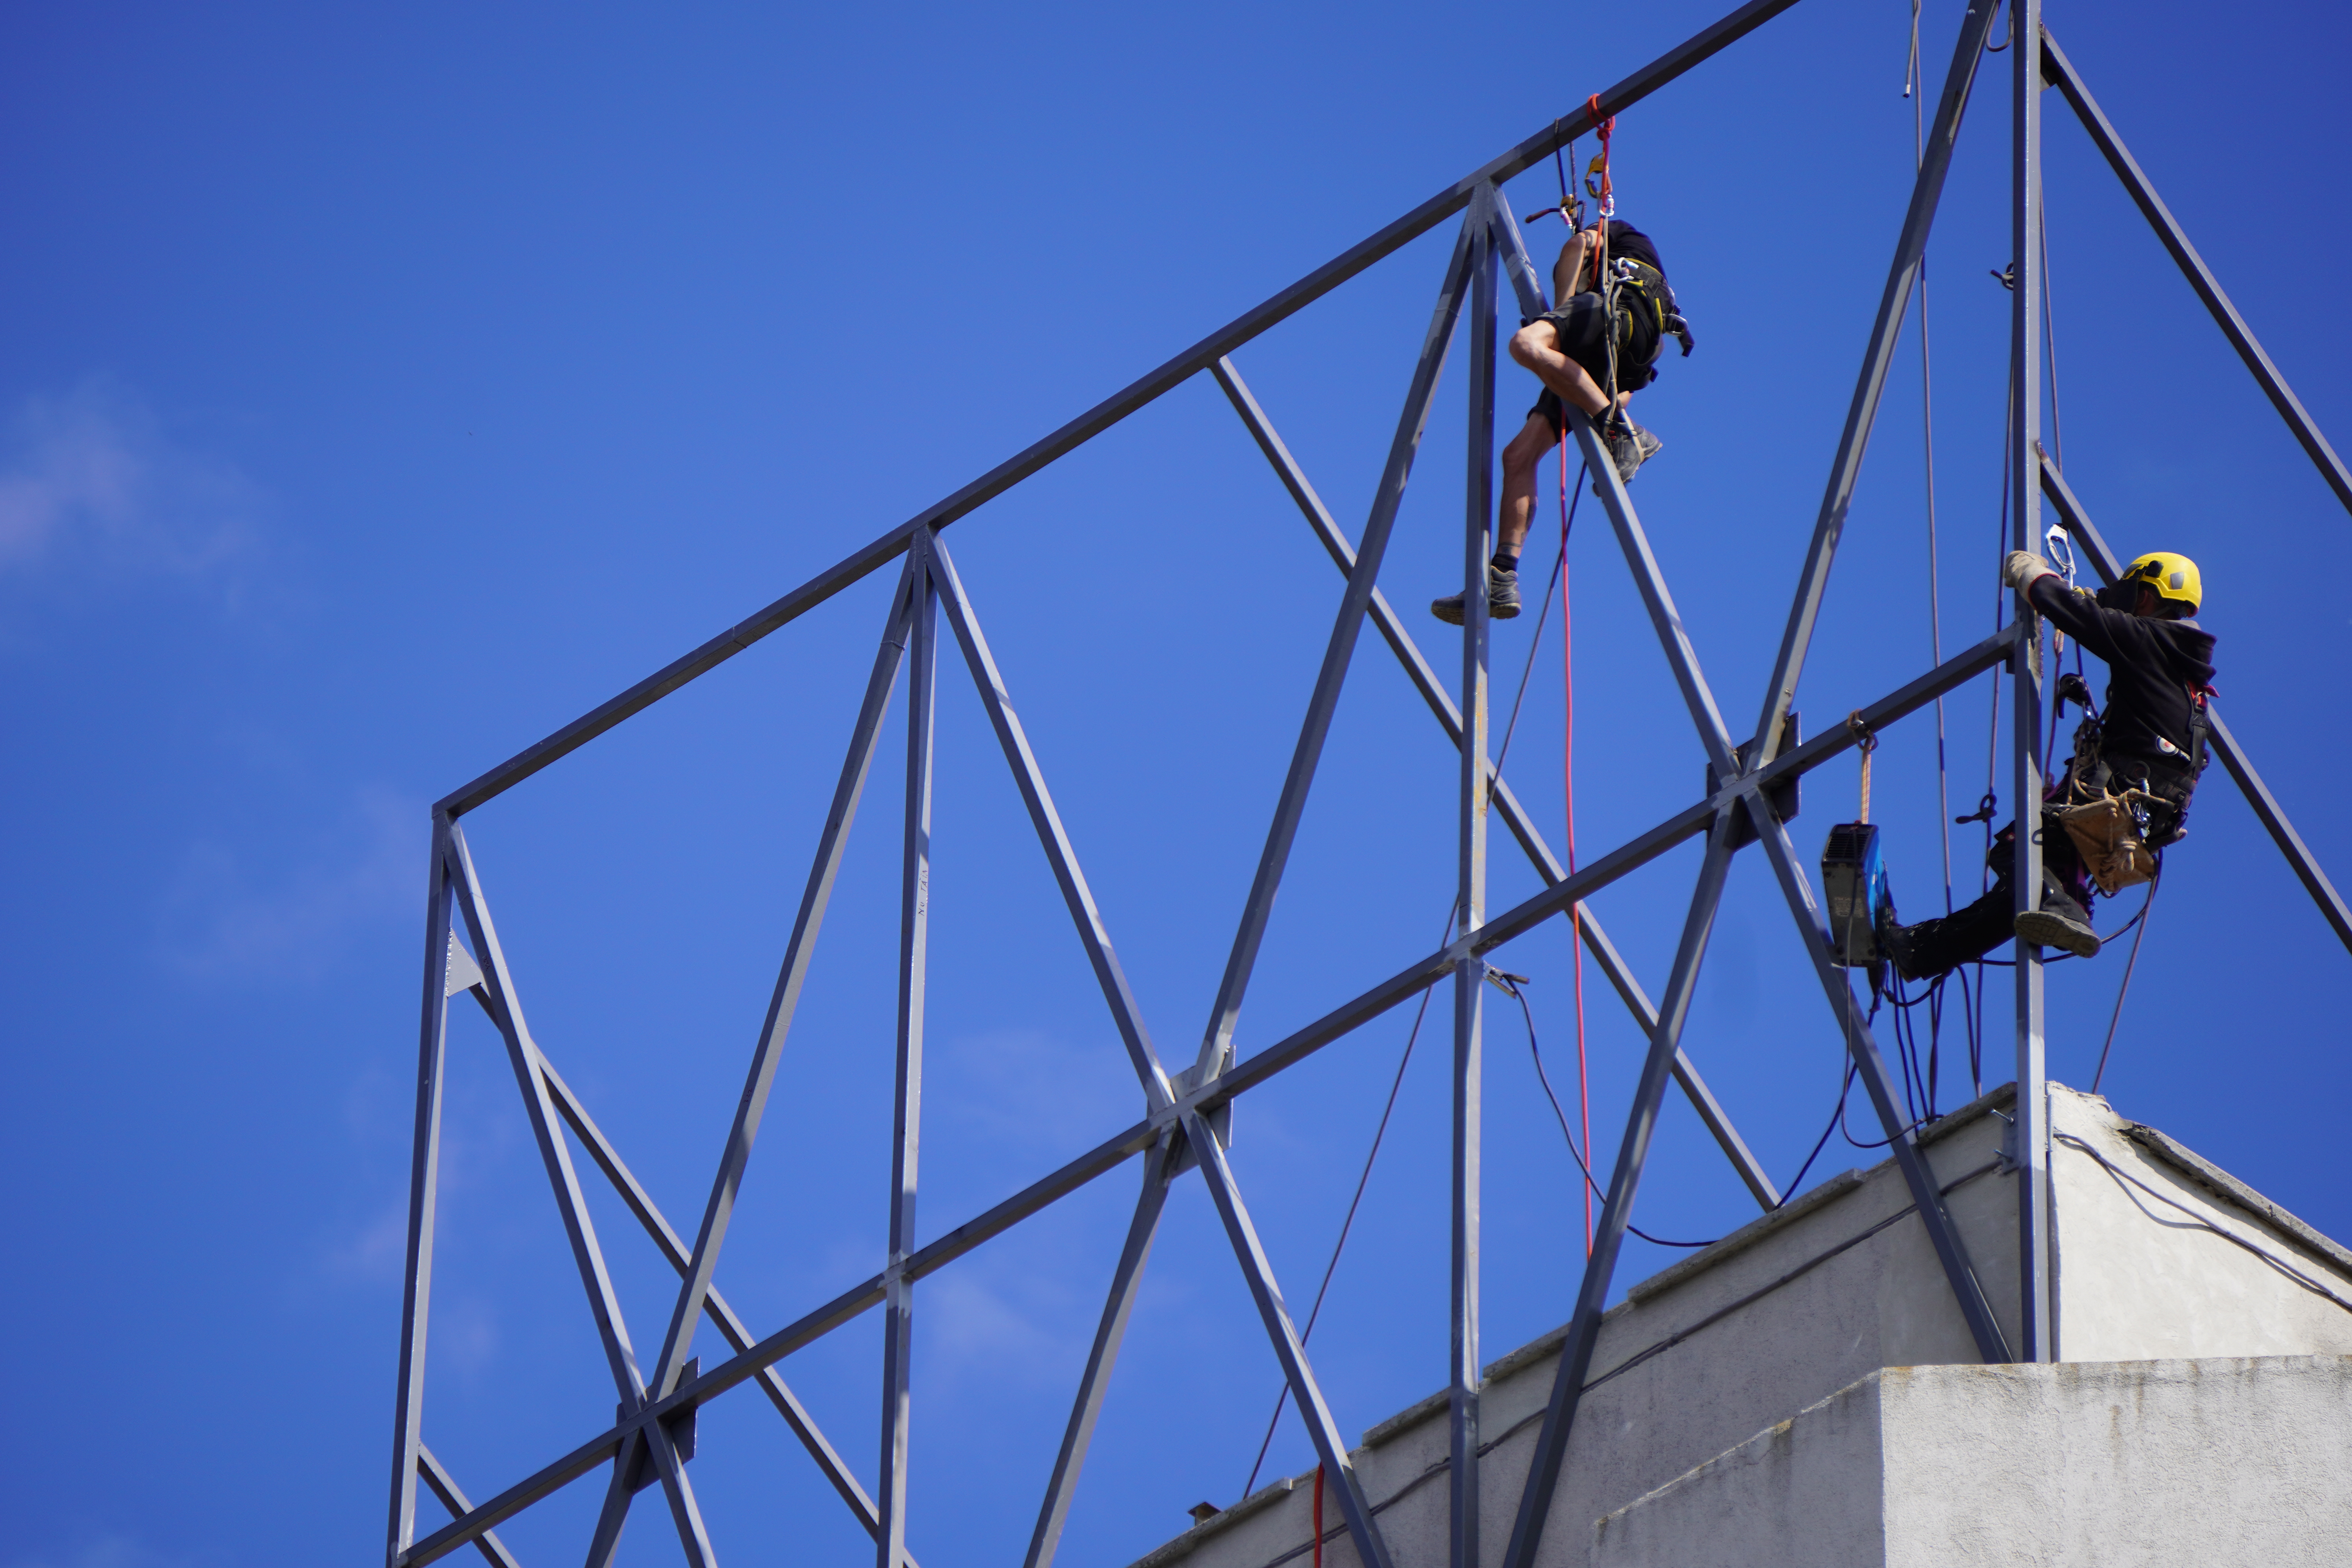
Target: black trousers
{"points": [[1933, 946]]}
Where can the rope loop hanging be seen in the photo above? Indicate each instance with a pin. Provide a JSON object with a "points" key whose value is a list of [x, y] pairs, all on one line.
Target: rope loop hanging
{"points": [[1867, 741]]}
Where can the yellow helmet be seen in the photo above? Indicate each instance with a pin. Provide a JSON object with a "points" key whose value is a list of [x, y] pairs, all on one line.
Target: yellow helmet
{"points": [[2174, 578]]}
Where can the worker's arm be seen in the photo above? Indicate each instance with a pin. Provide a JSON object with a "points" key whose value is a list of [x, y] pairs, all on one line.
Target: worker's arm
{"points": [[1567, 273], [2106, 633]]}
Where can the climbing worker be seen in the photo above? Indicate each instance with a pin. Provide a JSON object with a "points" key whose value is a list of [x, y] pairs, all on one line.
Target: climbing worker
{"points": [[1609, 272], [2134, 765]]}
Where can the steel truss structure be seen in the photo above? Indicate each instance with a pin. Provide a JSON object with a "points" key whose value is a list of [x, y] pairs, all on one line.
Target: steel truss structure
{"points": [[1185, 1119]]}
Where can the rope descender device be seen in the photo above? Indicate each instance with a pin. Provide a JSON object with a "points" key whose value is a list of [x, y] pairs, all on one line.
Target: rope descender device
{"points": [[1570, 210]]}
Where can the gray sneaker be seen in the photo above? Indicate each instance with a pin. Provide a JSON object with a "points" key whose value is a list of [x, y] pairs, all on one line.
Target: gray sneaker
{"points": [[1502, 599], [1630, 445], [2052, 928]]}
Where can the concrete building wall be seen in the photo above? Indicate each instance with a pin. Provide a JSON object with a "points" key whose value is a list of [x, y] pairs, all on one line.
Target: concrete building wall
{"points": [[2216, 1462], [1783, 1314]]}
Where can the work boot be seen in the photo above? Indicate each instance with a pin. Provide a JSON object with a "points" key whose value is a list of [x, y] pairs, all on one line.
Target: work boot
{"points": [[1630, 445], [2060, 923], [1502, 598]]}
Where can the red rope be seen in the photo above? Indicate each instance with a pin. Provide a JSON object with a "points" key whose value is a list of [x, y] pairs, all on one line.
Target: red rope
{"points": [[1603, 129], [1567, 775]]}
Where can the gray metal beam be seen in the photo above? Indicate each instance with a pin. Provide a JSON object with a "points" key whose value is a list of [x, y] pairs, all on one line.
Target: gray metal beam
{"points": [[1581, 884], [1247, 1073], [1692, 51], [1968, 1291], [2037, 1262], [444, 1486], [907, 1121], [1257, 908], [1845, 469], [424, 1202], [1624, 1184], [1092, 933], [1470, 902], [506, 1012], [2225, 744], [2060, 72], [522, 1054], [731, 1327], [1664, 619], [1505, 802], [1126, 1282], [735, 1156], [1339, 1469]]}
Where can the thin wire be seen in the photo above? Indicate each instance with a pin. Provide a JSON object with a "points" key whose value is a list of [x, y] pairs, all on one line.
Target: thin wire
{"points": [[1348, 1224], [1381, 1131], [2125, 989], [1935, 574], [1567, 800], [2049, 333], [1822, 1143]]}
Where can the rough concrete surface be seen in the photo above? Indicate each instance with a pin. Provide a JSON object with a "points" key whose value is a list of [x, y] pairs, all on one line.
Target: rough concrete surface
{"points": [[1792, 1311], [2216, 1462]]}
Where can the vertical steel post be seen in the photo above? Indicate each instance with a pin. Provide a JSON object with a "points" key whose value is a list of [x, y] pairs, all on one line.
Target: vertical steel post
{"points": [[2033, 1127], [424, 1190], [1216, 1042], [735, 1158], [1470, 911], [914, 936]]}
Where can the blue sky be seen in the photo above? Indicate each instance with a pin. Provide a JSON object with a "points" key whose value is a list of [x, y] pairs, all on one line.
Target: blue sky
{"points": [[382, 389]]}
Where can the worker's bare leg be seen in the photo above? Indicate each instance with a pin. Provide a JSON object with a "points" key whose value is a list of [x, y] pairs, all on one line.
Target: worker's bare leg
{"points": [[1537, 346], [1520, 457]]}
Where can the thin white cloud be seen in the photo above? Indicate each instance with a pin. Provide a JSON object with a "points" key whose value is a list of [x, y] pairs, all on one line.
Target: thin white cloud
{"points": [[90, 480], [230, 916], [109, 1551]]}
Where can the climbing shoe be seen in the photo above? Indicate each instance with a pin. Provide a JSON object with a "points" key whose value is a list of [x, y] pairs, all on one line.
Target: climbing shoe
{"points": [[1502, 599], [2057, 928]]}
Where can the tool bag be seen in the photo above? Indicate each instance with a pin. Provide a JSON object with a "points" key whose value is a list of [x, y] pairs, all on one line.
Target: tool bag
{"points": [[2108, 833]]}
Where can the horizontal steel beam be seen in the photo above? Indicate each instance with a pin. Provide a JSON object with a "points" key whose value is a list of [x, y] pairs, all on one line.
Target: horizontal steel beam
{"points": [[1243, 1076], [444, 1486], [1506, 804], [1111, 410], [1100, 1160]]}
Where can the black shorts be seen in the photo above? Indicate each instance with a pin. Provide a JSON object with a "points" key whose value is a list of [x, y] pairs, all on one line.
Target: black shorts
{"points": [[1581, 324]]}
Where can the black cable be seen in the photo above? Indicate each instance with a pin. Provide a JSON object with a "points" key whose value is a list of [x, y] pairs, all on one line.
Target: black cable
{"points": [[1512, 990], [2124, 990], [1381, 1131], [1348, 1224], [1820, 1143], [2198, 1222]]}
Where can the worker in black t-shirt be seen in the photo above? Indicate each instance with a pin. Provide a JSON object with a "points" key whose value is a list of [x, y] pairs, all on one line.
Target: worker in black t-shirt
{"points": [[2148, 740], [1569, 349]]}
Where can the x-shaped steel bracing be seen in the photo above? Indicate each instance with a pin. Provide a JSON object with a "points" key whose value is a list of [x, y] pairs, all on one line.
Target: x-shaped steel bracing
{"points": [[1185, 1115]]}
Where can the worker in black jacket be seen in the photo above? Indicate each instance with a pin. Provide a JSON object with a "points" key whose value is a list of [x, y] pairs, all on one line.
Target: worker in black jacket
{"points": [[2149, 738]]}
